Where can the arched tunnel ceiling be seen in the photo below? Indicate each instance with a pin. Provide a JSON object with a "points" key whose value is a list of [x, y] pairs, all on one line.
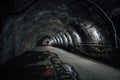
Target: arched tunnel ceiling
{"points": [[53, 18]]}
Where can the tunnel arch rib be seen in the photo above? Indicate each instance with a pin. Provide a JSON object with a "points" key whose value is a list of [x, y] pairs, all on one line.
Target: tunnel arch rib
{"points": [[70, 41], [76, 38], [65, 40]]}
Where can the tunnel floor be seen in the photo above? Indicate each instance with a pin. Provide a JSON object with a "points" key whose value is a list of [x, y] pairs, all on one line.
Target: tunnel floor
{"points": [[88, 69]]}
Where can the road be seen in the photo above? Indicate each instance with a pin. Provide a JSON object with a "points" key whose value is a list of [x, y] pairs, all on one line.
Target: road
{"points": [[88, 69]]}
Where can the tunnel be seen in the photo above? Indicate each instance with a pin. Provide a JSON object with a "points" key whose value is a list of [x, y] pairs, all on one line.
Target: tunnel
{"points": [[60, 40]]}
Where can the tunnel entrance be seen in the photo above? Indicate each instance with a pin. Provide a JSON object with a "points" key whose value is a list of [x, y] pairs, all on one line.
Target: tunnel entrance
{"points": [[70, 29], [83, 28]]}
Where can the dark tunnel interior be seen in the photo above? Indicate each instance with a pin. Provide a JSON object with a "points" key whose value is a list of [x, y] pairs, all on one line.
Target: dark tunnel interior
{"points": [[60, 40]]}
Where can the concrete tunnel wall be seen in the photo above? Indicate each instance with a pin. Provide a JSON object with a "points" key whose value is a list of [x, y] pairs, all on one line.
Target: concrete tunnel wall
{"points": [[59, 20]]}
